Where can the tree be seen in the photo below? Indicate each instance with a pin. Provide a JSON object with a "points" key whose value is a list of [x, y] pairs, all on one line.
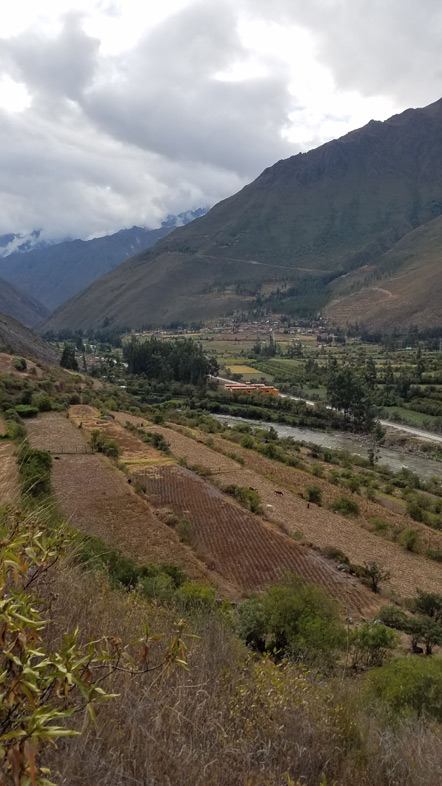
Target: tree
{"points": [[68, 359], [371, 643], [374, 574], [370, 373]]}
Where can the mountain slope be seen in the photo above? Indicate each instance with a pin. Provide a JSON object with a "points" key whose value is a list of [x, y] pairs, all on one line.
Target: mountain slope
{"points": [[55, 273], [320, 213], [404, 287], [20, 305], [17, 339]]}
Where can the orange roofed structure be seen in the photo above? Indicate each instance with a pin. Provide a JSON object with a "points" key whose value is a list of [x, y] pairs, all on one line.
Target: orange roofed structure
{"points": [[238, 387]]}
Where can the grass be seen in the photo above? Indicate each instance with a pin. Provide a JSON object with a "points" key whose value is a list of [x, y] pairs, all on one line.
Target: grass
{"points": [[410, 416]]}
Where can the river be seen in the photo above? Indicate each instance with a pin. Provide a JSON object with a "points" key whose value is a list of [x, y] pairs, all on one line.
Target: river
{"points": [[335, 440]]}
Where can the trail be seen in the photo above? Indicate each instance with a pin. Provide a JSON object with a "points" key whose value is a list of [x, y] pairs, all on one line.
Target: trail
{"points": [[265, 264]]}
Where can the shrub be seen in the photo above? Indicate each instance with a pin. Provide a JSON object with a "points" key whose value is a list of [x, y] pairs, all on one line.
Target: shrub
{"points": [[110, 448], [246, 496], [409, 685], [293, 620], [184, 531], [43, 403], [345, 505], [371, 643], [333, 553], [19, 364], [415, 511], [35, 472], [408, 539], [435, 554], [393, 616], [314, 494], [26, 411], [379, 525], [195, 597]]}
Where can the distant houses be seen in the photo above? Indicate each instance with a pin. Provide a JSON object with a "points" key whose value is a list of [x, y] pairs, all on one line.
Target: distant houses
{"points": [[250, 387]]}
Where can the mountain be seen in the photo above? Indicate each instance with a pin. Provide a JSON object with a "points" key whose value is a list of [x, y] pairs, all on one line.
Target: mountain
{"points": [[17, 339], [20, 305], [403, 287], [53, 273], [302, 224]]}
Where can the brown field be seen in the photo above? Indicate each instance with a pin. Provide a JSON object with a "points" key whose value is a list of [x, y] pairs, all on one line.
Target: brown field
{"points": [[195, 452], [55, 433], [97, 499], [9, 490], [245, 549], [132, 449]]}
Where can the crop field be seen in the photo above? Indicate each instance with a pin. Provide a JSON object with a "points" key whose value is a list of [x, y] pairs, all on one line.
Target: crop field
{"points": [[322, 528], [132, 449], [242, 370], [195, 452], [55, 433], [8, 473], [239, 545]]}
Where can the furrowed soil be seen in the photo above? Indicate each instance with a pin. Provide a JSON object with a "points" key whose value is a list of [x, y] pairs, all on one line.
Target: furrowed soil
{"points": [[244, 548], [280, 488], [97, 499]]}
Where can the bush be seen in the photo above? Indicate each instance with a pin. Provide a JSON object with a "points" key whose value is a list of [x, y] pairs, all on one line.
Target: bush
{"points": [[43, 403], [293, 620], [415, 511], [314, 494], [26, 411], [246, 496], [374, 574], [345, 505], [35, 472], [409, 686], [379, 525], [184, 531], [393, 616], [408, 539], [19, 364], [196, 597], [371, 643], [435, 554]]}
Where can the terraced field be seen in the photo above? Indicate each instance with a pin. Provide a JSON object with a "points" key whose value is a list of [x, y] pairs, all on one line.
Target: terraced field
{"points": [[242, 547], [132, 450], [97, 499]]}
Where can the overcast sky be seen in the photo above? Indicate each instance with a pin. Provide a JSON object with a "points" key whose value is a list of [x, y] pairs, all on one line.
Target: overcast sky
{"points": [[118, 112]]}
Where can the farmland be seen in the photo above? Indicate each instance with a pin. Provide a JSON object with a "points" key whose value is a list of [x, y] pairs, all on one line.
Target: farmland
{"points": [[239, 545], [96, 499]]}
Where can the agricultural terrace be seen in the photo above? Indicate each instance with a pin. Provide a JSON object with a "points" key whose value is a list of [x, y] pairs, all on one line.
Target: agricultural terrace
{"points": [[97, 499]]}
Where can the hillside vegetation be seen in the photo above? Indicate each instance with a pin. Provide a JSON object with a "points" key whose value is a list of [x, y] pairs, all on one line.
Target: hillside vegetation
{"points": [[303, 222]]}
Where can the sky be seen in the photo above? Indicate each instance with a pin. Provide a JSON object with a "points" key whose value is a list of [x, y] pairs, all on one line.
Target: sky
{"points": [[116, 113]]}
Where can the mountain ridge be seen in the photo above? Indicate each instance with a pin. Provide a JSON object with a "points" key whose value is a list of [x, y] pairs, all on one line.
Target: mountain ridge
{"points": [[328, 211], [55, 272]]}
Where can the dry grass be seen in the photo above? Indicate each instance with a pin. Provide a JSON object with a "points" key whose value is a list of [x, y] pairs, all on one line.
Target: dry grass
{"points": [[54, 432], [9, 485], [230, 720]]}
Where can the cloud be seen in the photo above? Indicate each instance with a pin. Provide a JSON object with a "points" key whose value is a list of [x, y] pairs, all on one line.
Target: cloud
{"points": [[193, 108]]}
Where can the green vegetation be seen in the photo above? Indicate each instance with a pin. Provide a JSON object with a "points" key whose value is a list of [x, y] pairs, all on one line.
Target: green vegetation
{"points": [[246, 496], [182, 360], [345, 506]]}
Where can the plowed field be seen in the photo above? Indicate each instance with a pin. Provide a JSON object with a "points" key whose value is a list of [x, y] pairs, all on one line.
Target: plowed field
{"points": [[97, 499], [245, 549]]}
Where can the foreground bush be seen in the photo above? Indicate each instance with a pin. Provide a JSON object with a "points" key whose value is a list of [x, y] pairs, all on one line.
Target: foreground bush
{"points": [[293, 620], [409, 685], [345, 506]]}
